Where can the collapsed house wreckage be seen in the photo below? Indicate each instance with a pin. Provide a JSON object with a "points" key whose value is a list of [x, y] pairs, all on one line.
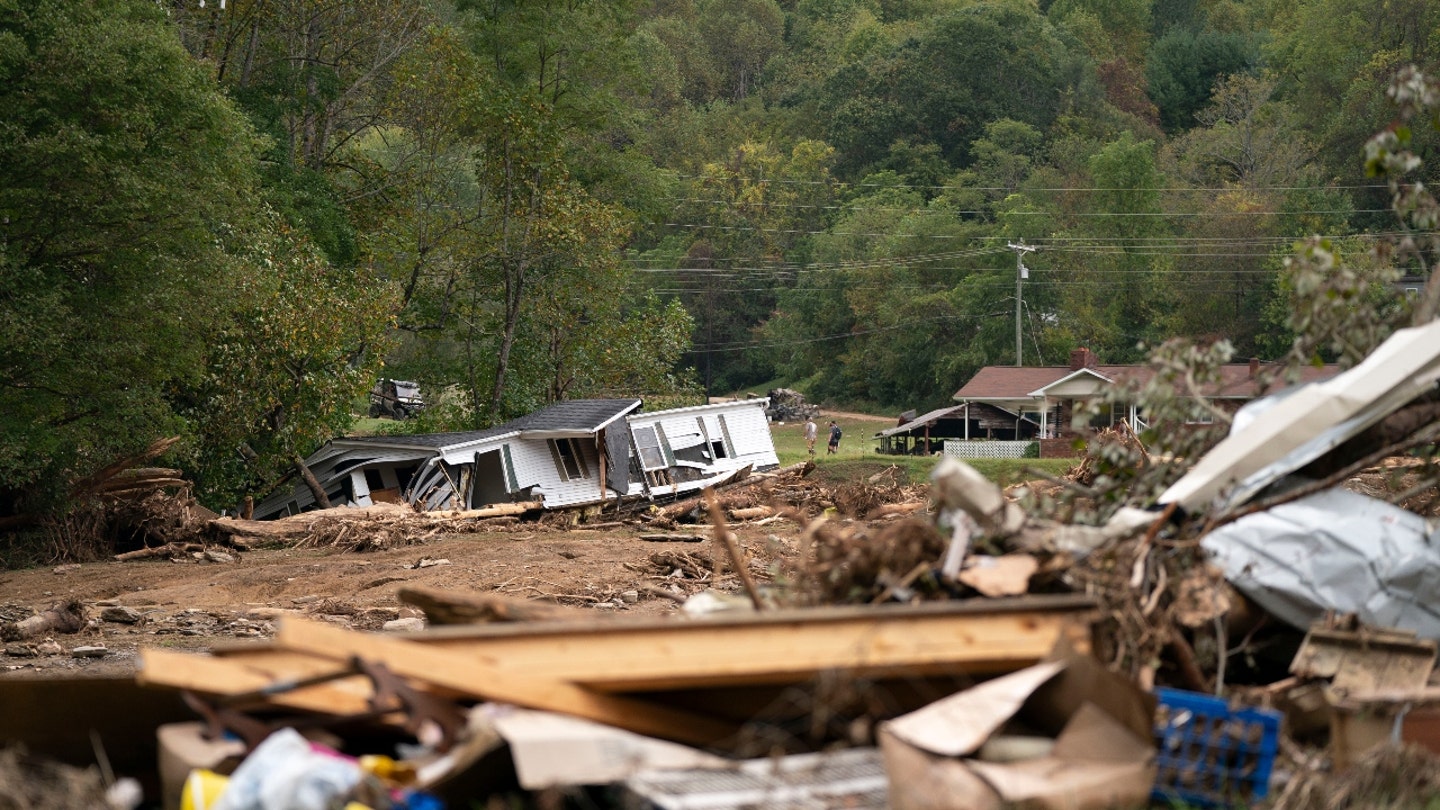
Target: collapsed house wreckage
{"points": [[572, 453], [1023, 666]]}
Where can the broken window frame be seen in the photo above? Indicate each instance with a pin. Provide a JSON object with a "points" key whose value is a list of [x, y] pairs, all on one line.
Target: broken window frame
{"points": [[567, 457], [644, 451]]}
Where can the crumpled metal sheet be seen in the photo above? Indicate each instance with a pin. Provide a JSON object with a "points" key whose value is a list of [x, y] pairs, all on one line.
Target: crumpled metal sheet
{"points": [[1278, 435], [1335, 550]]}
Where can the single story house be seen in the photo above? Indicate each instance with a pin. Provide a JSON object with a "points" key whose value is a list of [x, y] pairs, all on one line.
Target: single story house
{"points": [[1047, 395], [572, 453], [926, 434]]}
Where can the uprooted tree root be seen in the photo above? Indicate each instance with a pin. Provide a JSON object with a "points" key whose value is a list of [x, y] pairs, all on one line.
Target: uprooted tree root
{"points": [[100, 525], [856, 562]]}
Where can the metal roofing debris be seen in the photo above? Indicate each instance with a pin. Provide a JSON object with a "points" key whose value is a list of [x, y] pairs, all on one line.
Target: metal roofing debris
{"points": [[1335, 551], [1278, 435]]}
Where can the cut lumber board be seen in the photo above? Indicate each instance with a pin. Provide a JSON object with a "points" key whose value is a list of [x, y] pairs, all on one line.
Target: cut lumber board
{"points": [[978, 636], [455, 670], [240, 675]]}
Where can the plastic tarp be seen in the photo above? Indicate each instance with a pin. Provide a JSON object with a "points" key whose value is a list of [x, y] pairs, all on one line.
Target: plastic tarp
{"points": [[1275, 436], [1336, 550]]}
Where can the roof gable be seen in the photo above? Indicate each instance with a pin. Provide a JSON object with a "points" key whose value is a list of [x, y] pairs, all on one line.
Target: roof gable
{"points": [[1075, 382]]}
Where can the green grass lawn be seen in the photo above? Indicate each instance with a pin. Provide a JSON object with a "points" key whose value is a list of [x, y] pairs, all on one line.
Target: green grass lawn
{"points": [[859, 458]]}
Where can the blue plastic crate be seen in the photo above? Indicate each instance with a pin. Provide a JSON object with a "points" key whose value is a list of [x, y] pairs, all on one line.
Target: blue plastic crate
{"points": [[1210, 755]]}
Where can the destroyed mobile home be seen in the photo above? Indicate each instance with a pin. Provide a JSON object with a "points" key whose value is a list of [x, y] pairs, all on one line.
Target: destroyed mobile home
{"points": [[963, 652], [569, 454]]}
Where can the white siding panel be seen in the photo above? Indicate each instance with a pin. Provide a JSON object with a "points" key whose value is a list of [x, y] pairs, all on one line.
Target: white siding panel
{"points": [[535, 466], [750, 431]]}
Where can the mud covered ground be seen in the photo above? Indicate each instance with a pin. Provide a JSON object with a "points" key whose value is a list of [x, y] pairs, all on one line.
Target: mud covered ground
{"points": [[191, 604]]}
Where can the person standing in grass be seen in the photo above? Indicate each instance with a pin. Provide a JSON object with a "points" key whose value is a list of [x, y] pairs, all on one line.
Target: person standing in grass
{"points": [[810, 433], [834, 438]]}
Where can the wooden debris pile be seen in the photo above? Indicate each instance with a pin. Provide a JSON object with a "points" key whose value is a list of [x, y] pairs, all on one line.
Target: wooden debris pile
{"points": [[1120, 436], [371, 528]]}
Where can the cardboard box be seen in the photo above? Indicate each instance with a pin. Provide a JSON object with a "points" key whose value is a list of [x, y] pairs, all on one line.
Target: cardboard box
{"points": [[1103, 753]]}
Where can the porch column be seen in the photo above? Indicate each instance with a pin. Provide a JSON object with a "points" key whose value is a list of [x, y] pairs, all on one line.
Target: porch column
{"points": [[967, 421]]}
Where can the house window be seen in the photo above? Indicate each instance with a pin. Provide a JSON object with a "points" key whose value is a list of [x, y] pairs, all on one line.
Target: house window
{"points": [[716, 444], [568, 459], [647, 444]]}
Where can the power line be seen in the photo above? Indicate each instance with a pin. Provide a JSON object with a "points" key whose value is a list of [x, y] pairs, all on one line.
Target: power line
{"points": [[1061, 189], [921, 210]]}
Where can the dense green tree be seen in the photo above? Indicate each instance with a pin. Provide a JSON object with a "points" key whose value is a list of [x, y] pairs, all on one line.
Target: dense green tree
{"points": [[969, 66], [1184, 65], [305, 340], [124, 173], [310, 74], [1116, 263]]}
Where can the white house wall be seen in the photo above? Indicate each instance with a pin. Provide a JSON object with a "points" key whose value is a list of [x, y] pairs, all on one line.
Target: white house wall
{"points": [[748, 429]]}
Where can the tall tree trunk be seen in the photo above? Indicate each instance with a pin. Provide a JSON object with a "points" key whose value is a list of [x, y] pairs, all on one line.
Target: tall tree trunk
{"points": [[514, 284], [318, 491]]}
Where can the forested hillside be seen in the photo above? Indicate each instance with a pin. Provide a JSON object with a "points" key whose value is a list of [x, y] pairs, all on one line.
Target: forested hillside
{"points": [[223, 221]]}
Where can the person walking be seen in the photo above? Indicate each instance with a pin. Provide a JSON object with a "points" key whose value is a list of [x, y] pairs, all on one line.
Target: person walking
{"points": [[810, 433], [834, 438]]}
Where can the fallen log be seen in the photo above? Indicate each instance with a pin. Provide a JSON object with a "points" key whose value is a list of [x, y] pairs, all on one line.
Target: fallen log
{"points": [[498, 510], [448, 607], [887, 509], [167, 550], [751, 513], [62, 617]]}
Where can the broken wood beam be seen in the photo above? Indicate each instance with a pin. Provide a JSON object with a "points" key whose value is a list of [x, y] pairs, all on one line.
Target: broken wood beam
{"points": [[257, 673], [486, 681], [739, 478], [93, 481]]}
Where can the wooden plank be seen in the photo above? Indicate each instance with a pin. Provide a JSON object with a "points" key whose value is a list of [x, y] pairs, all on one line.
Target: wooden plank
{"points": [[977, 637], [619, 656], [483, 680], [243, 674]]}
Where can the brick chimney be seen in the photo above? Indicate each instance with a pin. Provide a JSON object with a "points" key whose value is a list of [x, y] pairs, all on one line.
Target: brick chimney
{"points": [[1082, 358], [1254, 367]]}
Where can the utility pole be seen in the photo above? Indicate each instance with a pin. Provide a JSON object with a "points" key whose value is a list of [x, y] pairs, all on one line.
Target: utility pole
{"points": [[1021, 273]]}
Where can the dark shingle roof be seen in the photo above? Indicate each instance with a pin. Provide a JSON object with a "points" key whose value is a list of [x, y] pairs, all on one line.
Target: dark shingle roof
{"points": [[574, 414]]}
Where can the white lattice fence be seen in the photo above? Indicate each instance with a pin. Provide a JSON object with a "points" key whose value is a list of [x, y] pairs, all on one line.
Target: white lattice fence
{"points": [[958, 448]]}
